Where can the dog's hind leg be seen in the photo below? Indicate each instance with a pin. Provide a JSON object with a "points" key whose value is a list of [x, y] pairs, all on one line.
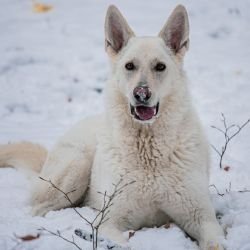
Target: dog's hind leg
{"points": [[71, 177], [68, 168]]}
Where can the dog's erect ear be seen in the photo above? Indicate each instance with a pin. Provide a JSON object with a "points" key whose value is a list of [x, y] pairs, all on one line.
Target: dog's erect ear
{"points": [[117, 31], [175, 32]]}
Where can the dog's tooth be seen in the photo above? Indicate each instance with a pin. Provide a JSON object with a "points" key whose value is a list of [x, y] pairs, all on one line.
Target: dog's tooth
{"points": [[136, 111]]}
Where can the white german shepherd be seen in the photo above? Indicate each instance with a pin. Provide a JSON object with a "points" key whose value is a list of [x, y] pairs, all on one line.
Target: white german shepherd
{"points": [[149, 134]]}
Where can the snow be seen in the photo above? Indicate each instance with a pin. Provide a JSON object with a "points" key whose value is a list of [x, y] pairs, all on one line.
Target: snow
{"points": [[52, 72]]}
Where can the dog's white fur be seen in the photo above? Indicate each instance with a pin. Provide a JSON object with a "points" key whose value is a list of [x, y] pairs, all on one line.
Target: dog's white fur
{"points": [[167, 158]]}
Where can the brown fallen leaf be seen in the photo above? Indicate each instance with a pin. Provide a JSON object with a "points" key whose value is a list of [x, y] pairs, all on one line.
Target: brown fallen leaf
{"points": [[28, 237], [227, 168]]}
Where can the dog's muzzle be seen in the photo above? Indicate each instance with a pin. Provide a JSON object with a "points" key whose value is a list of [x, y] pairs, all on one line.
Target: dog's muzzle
{"points": [[144, 113], [141, 110]]}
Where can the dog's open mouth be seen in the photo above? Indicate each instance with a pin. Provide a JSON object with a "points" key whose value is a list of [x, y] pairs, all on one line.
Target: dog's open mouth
{"points": [[144, 113]]}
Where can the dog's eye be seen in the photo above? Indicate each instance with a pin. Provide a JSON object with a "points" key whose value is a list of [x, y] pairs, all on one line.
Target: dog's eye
{"points": [[130, 66], [160, 67]]}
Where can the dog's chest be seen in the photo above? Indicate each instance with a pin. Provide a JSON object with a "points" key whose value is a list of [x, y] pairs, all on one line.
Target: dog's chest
{"points": [[145, 161], [145, 152], [147, 164], [143, 164]]}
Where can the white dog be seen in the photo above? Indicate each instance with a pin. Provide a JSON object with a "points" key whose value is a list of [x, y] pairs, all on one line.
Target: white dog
{"points": [[149, 136]]}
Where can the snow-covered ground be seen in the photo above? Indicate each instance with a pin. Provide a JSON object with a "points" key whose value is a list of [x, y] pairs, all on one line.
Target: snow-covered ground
{"points": [[52, 72]]}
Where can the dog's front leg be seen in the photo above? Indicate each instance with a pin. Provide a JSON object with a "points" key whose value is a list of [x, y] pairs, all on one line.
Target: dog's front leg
{"points": [[110, 231], [192, 210]]}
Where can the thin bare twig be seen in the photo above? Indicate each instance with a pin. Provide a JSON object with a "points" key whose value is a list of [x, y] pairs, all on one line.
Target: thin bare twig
{"points": [[216, 150], [101, 216], [244, 191], [227, 135], [58, 234], [67, 198], [107, 203], [229, 190], [220, 194]]}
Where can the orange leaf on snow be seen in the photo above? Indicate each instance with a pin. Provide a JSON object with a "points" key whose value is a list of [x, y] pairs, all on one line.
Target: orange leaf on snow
{"points": [[41, 8]]}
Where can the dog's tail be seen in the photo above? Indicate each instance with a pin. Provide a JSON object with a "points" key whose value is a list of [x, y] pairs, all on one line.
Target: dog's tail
{"points": [[24, 155]]}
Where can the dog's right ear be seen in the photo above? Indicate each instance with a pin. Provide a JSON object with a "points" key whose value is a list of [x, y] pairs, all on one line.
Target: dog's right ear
{"points": [[117, 31]]}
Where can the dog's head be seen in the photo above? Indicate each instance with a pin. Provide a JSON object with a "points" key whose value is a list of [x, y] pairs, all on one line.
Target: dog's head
{"points": [[145, 68]]}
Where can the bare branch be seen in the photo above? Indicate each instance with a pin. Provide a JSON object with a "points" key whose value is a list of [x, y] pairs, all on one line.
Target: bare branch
{"points": [[244, 191], [101, 216], [239, 129], [228, 137], [58, 234], [220, 194], [220, 130], [228, 190], [232, 126], [224, 120], [66, 197], [215, 149]]}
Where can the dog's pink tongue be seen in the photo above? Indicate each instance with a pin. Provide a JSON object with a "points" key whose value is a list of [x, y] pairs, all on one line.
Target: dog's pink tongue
{"points": [[145, 113]]}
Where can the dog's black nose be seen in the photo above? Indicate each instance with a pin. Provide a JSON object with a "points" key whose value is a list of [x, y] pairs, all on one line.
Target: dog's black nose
{"points": [[142, 94]]}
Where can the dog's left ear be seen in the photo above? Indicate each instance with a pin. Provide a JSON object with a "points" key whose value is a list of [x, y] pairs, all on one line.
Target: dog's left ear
{"points": [[117, 31], [175, 32]]}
